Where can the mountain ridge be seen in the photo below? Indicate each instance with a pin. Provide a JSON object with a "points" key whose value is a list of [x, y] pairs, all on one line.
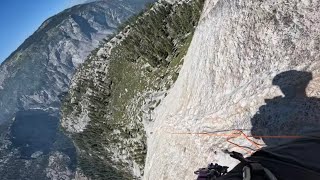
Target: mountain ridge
{"points": [[57, 60], [33, 80]]}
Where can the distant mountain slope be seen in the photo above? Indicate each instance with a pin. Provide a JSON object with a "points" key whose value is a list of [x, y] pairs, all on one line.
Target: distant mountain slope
{"points": [[32, 82], [41, 68]]}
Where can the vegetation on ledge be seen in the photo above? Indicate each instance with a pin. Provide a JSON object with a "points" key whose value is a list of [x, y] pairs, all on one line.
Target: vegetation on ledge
{"points": [[122, 87]]}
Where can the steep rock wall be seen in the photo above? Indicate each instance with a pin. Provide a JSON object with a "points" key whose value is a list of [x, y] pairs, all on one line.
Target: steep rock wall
{"points": [[237, 49]]}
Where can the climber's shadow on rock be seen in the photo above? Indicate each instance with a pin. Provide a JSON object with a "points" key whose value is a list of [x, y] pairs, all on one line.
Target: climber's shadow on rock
{"points": [[294, 114]]}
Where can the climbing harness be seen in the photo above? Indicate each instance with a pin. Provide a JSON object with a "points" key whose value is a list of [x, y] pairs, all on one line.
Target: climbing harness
{"points": [[252, 170]]}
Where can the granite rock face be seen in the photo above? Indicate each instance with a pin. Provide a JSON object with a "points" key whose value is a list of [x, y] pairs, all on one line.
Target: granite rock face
{"points": [[228, 82]]}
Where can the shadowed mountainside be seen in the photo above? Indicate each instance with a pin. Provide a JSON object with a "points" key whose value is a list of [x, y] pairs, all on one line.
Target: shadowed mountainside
{"points": [[34, 78]]}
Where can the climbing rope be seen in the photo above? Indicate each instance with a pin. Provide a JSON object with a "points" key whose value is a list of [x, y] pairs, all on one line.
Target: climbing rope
{"points": [[239, 133]]}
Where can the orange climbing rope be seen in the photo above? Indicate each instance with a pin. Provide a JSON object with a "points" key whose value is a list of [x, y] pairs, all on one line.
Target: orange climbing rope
{"points": [[247, 149], [239, 133]]}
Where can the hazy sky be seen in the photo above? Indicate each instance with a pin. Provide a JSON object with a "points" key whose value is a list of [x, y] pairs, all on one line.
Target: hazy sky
{"points": [[20, 18]]}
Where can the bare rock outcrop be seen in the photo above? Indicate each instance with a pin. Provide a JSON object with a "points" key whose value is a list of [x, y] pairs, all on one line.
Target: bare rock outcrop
{"points": [[228, 75]]}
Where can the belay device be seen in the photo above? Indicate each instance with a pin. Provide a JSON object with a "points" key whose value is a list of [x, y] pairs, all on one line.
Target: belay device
{"points": [[211, 172]]}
